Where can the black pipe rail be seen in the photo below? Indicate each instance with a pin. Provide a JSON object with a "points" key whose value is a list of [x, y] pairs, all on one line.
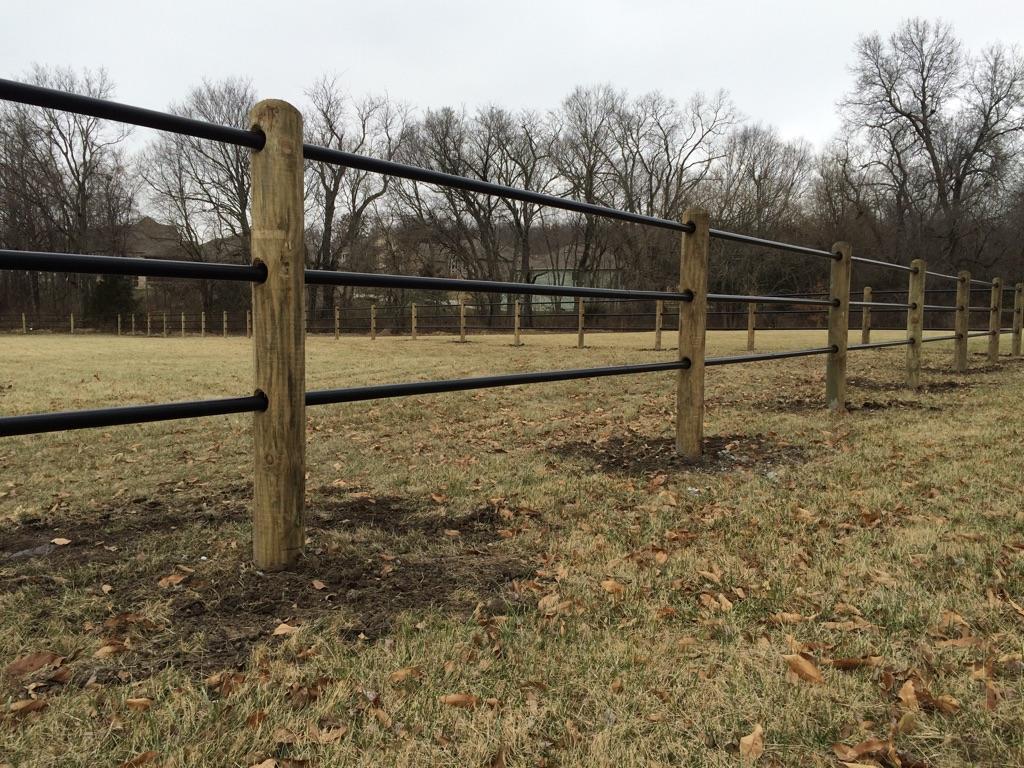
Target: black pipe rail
{"points": [[882, 305], [130, 414], [130, 266]]}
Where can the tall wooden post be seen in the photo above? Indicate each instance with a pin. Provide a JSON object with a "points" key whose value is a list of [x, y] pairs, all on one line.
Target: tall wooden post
{"points": [[72, 323], [865, 318], [118, 323], [337, 322], [659, 310], [373, 322], [963, 321], [278, 337], [414, 322], [149, 324], [182, 325], [995, 320], [515, 329], [462, 319], [838, 327], [248, 323], [202, 325], [693, 278], [580, 311], [224, 323], [1018, 318], [133, 323], [24, 324], [915, 322], [165, 324], [751, 324]]}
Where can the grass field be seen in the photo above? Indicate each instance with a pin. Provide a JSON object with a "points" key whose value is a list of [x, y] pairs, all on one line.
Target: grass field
{"points": [[517, 577]]}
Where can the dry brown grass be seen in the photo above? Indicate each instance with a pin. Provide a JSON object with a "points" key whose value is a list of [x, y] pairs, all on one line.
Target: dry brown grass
{"points": [[537, 550]]}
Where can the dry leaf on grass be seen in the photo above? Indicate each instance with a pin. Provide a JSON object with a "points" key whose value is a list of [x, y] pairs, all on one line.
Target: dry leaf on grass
{"points": [[284, 628], [33, 662], [752, 745], [463, 700], [24, 706], [404, 674], [803, 668], [143, 759], [60, 542], [140, 704], [612, 587]]}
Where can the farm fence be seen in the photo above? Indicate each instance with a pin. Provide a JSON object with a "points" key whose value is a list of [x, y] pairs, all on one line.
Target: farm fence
{"points": [[278, 328]]}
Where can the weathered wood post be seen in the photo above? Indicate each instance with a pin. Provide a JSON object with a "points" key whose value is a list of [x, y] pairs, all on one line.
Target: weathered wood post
{"points": [[751, 324], [337, 322], [248, 324], [515, 329], [838, 327], [118, 323], [659, 309], [133, 323], [373, 322], [224, 323], [995, 319], [165, 323], [72, 323], [1018, 318], [182, 325], [962, 322], [202, 325], [693, 278], [580, 310], [279, 337], [462, 319], [24, 324], [149, 324], [414, 322], [865, 318], [915, 322]]}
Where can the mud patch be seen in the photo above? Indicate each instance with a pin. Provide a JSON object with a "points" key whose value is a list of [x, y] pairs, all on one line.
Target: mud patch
{"points": [[638, 455]]}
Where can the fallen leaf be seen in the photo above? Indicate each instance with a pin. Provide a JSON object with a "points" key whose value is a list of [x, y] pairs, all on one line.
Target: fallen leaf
{"points": [[803, 667], [24, 706], [143, 759], [464, 700], [752, 745], [139, 705], [31, 663], [284, 628], [111, 648], [318, 585], [400, 676], [612, 587], [172, 580], [60, 542]]}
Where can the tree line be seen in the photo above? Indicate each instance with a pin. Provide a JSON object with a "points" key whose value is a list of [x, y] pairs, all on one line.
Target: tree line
{"points": [[927, 164]]}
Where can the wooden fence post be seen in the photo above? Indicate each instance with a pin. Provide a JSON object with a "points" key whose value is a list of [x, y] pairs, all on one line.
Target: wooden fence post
{"points": [[24, 324], [149, 324], [165, 324], [915, 321], [962, 321], [72, 323], [462, 319], [1018, 318], [224, 323], [751, 324], [580, 310], [373, 322], [337, 322], [414, 322], [248, 323], [202, 325], [995, 319], [659, 309], [118, 323], [279, 436], [865, 318], [515, 332], [693, 277], [133, 323], [838, 327], [182, 325]]}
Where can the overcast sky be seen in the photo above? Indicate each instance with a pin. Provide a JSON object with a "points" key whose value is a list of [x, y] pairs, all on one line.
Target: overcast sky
{"points": [[784, 62]]}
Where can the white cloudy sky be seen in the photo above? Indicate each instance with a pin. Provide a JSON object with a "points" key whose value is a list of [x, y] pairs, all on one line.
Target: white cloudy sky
{"points": [[785, 62]]}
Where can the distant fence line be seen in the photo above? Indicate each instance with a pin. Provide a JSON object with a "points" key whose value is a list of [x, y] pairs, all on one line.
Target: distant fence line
{"points": [[279, 328]]}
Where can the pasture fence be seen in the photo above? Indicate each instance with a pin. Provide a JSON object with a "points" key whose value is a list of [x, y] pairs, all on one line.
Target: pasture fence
{"points": [[278, 328]]}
